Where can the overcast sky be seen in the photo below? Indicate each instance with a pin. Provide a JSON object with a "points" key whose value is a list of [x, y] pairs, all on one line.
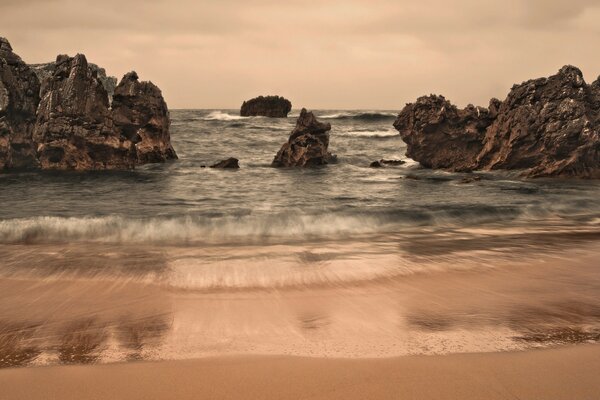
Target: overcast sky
{"points": [[375, 54]]}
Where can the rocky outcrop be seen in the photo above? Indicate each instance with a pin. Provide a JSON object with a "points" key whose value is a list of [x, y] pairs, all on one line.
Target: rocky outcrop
{"points": [[266, 106], [545, 127], [439, 135], [307, 145], [74, 128], [19, 98], [230, 163], [66, 122], [45, 71], [141, 115], [383, 162]]}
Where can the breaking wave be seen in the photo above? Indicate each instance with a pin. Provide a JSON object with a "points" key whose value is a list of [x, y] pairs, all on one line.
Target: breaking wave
{"points": [[221, 116], [361, 116]]}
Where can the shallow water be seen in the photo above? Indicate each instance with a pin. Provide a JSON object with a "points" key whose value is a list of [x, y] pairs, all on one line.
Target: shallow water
{"points": [[185, 261]]}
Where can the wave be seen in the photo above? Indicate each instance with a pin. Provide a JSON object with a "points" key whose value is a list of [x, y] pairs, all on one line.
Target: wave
{"points": [[369, 133], [221, 116], [360, 116], [247, 228]]}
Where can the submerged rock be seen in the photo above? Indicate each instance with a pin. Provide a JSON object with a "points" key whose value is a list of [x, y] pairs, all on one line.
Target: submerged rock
{"points": [[307, 145], [230, 163], [376, 164], [19, 98], [74, 127], [545, 127], [141, 115], [266, 106]]}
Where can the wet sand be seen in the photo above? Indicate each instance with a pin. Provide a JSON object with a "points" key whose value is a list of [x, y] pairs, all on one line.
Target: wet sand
{"points": [[568, 373]]}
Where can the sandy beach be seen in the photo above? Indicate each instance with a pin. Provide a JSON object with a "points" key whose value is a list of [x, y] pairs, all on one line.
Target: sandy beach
{"points": [[567, 373]]}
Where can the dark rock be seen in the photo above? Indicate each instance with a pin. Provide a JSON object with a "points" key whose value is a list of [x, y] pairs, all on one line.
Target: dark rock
{"points": [[45, 71], [439, 135], [141, 115], [545, 127], [392, 162], [228, 163], [413, 177], [19, 98], [74, 128], [266, 106], [307, 145], [375, 164]]}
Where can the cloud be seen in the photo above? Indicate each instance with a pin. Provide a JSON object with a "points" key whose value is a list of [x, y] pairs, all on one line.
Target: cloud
{"points": [[330, 54]]}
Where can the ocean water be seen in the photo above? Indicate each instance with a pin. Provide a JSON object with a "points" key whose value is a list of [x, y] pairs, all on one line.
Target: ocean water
{"points": [[75, 248]]}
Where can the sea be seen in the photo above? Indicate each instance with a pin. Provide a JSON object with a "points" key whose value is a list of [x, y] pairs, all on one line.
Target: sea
{"points": [[180, 260]]}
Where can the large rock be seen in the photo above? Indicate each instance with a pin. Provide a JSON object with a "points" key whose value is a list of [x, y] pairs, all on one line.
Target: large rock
{"points": [[439, 135], [141, 114], [19, 98], [545, 127], [266, 106], [307, 145], [74, 129], [45, 71]]}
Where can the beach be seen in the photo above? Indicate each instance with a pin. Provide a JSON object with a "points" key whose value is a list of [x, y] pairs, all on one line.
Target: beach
{"points": [[566, 373]]}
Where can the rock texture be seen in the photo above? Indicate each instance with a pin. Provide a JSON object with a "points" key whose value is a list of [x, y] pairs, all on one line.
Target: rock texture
{"points": [[307, 145], [141, 115], [439, 135], [545, 127], [74, 127], [230, 163], [66, 122], [19, 98], [45, 71], [266, 106]]}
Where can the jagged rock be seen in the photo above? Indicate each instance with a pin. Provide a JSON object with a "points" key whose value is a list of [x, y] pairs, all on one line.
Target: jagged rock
{"points": [[545, 127], [141, 114], [74, 127], [375, 164], [232, 163], [266, 106], [307, 145], [45, 71], [439, 135], [19, 98]]}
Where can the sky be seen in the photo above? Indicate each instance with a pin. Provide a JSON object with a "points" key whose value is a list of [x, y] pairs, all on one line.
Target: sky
{"points": [[376, 54]]}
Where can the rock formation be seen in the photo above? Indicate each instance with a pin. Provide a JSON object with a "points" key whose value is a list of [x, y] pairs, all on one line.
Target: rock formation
{"points": [[141, 115], [383, 162], [439, 135], [230, 163], [45, 71], [67, 123], [307, 145], [545, 127], [19, 98], [266, 106]]}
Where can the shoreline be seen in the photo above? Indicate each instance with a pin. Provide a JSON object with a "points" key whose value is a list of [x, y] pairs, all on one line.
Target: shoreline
{"points": [[559, 373]]}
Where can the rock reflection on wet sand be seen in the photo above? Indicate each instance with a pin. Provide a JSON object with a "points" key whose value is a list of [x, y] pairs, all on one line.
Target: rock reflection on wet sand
{"points": [[16, 348], [81, 342]]}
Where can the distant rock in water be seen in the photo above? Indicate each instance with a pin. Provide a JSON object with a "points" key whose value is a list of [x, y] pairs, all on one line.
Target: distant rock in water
{"points": [[45, 71], [19, 98], [65, 122], [74, 127], [307, 145], [545, 127], [141, 115], [230, 163], [266, 106]]}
